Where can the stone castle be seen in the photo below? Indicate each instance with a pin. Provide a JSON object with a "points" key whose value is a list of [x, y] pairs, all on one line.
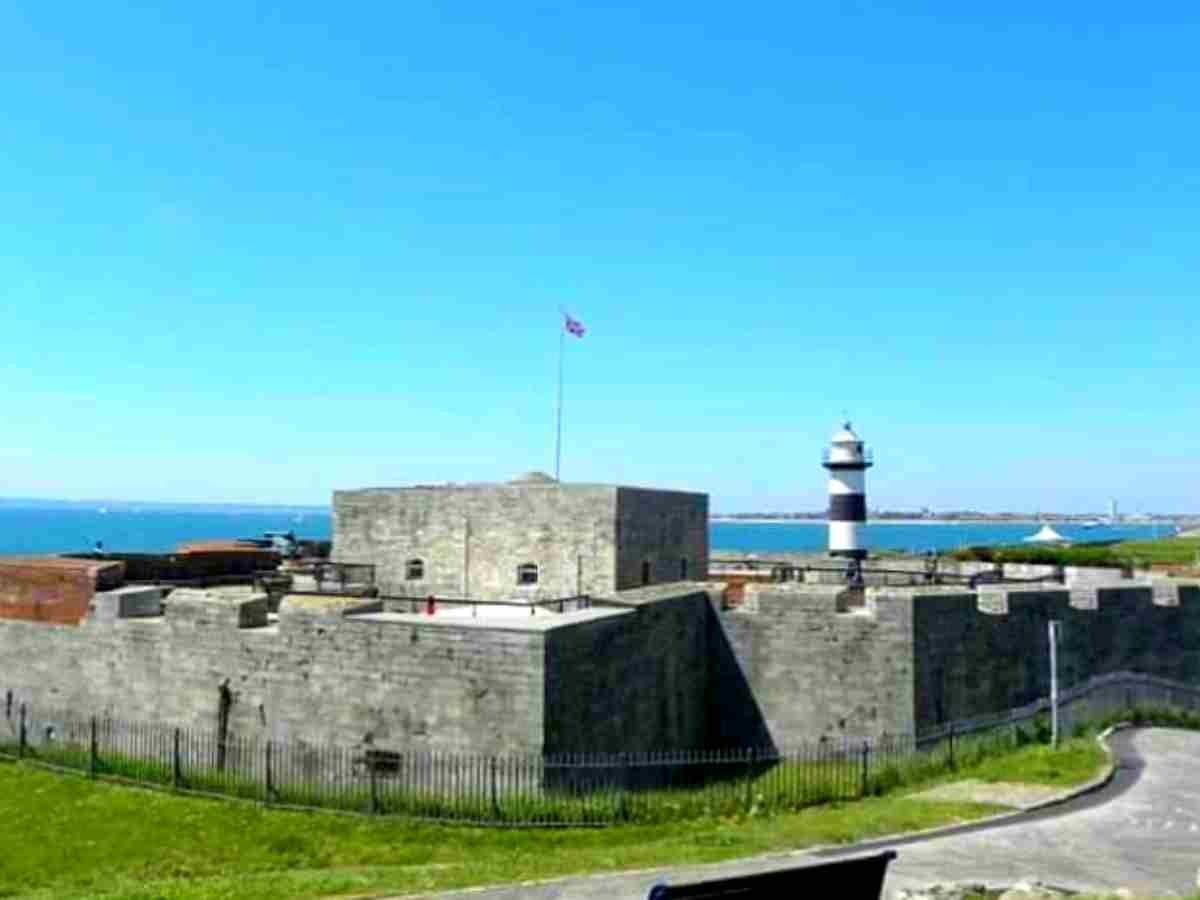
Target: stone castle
{"points": [[573, 618]]}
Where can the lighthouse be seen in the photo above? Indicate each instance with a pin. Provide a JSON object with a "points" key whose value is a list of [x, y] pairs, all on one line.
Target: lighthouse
{"points": [[847, 460]]}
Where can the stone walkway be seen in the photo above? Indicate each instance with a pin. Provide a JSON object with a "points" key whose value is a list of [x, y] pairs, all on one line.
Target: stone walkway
{"points": [[1142, 832]]}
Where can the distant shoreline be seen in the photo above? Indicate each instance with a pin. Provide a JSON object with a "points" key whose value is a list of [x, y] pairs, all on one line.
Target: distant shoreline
{"points": [[734, 521]]}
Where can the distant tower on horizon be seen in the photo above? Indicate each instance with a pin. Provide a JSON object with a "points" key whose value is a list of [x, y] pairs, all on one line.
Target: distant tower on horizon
{"points": [[847, 460]]}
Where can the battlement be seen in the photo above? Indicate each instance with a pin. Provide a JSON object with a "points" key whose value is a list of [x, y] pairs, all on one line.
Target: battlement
{"points": [[657, 667], [820, 662]]}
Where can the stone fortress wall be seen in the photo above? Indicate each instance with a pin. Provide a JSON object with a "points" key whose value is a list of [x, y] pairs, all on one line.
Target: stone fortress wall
{"points": [[662, 667], [910, 659], [611, 679]]}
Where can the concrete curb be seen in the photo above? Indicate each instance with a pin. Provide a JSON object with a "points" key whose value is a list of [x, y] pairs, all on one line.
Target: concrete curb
{"points": [[828, 850]]}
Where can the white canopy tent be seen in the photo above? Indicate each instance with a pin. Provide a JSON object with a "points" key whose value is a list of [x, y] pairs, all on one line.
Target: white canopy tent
{"points": [[1046, 535]]}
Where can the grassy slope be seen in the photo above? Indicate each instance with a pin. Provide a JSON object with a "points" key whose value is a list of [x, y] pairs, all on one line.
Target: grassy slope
{"points": [[1168, 551], [64, 836], [1075, 762]]}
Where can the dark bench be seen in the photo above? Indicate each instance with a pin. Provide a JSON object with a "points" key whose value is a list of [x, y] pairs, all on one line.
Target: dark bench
{"points": [[854, 878]]}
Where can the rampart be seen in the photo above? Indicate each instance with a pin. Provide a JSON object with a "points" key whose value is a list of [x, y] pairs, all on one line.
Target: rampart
{"points": [[663, 667], [798, 662], [825, 662], [602, 678]]}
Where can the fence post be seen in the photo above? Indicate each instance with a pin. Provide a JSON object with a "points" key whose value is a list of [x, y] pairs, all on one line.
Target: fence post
{"points": [[866, 762], [92, 749], [373, 782], [21, 736], [495, 794], [1054, 628], [750, 779], [950, 759], [176, 762], [624, 809], [270, 773]]}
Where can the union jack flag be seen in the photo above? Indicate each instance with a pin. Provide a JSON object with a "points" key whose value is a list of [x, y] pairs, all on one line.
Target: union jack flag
{"points": [[573, 326]]}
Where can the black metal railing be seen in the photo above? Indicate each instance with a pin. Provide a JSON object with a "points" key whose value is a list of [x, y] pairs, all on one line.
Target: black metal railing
{"points": [[865, 457], [333, 577], [513, 789], [435, 602], [875, 575]]}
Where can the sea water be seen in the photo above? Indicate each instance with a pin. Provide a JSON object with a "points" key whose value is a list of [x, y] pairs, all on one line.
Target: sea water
{"points": [[73, 530], [916, 537]]}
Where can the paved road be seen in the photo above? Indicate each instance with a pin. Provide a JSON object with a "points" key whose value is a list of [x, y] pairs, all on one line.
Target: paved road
{"points": [[1141, 832]]}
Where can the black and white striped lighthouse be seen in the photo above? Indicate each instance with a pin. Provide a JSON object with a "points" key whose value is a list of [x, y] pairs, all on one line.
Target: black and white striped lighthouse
{"points": [[847, 460]]}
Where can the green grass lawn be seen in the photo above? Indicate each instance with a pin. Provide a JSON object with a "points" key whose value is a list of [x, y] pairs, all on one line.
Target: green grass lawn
{"points": [[66, 837], [1167, 551], [1075, 761], [1164, 551]]}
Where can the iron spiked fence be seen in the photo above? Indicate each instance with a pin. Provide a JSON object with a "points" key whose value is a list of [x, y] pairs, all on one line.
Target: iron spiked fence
{"points": [[565, 789]]}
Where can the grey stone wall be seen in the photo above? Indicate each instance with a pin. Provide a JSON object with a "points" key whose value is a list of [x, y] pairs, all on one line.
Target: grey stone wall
{"points": [[666, 669], [667, 530], [787, 666], [792, 668], [585, 539], [632, 682], [472, 538], [988, 653], [313, 678]]}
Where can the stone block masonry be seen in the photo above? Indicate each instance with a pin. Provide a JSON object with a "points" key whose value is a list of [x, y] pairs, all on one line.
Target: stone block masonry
{"points": [[528, 540], [978, 655], [633, 682], [910, 659], [131, 602], [793, 668], [312, 678], [585, 680], [657, 668]]}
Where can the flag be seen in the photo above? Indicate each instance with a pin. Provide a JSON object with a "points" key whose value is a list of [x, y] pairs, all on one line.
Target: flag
{"points": [[573, 326]]}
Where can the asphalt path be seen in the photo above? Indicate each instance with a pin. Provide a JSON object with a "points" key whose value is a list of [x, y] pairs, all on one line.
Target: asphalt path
{"points": [[1141, 831]]}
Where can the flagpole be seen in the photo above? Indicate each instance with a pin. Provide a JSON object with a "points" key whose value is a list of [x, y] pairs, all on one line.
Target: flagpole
{"points": [[562, 332]]}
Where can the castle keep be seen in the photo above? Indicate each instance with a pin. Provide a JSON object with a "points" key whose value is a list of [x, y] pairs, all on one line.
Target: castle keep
{"points": [[529, 539]]}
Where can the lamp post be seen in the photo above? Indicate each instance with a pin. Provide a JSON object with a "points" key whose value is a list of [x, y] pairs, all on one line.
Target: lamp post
{"points": [[1055, 629]]}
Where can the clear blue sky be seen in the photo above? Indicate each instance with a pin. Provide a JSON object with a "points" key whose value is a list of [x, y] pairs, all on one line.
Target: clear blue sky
{"points": [[258, 252]]}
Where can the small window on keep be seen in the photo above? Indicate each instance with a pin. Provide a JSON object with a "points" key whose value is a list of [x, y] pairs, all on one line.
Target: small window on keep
{"points": [[414, 570], [527, 573]]}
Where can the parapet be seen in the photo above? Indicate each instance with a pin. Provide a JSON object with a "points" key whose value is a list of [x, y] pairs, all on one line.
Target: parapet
{"points": [[816, 599], [659, 593], [325, 606], [234, 607], [1085, 596], [130, 602]]}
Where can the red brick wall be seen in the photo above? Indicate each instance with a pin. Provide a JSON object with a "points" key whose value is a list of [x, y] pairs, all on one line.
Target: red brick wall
{"points": [[57, 591]]}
